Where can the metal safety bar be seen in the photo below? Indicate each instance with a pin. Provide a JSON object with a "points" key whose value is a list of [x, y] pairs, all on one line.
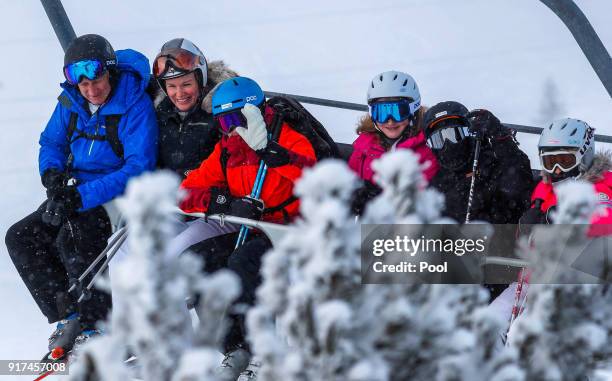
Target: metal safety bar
{"points": [[362, 107]]}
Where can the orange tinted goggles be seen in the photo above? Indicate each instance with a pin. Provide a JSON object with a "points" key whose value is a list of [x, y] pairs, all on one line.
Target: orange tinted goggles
{"points": [[180, 59]]}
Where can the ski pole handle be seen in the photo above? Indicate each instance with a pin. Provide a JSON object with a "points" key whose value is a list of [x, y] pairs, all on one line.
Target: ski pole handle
{"points": [[255, 193]]}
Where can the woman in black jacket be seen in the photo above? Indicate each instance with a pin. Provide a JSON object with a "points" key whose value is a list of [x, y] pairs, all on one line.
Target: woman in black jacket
{"points": [[183, 93]]}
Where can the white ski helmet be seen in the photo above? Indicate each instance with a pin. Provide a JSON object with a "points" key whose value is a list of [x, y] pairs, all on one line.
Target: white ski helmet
{"points": [[395, 84], [572, 134]]}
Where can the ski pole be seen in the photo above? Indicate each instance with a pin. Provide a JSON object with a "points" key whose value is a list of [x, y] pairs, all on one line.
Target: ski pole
{"points": [[261, 174], [255, 193], [474, 169], [111, 254], [516, 307], [120, 233]]}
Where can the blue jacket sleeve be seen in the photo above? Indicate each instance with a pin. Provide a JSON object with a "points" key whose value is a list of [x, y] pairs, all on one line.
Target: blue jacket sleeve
{"points": [[54, 147], [139, 138]]}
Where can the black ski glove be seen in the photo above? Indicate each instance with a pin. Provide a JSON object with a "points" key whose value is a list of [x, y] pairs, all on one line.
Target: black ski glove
{"points": [[54, 213], [484, 123], [54, 180], [247, 207], [533, 216], [62, 206], [274, 155], [220, 200], [361, 196]]}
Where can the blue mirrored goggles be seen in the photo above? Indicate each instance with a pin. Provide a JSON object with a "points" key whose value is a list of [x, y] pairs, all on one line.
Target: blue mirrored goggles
{"points": [[90, 69], [399, 111]]}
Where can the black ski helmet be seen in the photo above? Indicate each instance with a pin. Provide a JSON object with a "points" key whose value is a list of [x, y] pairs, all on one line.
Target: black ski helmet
{"points": [[453, 157], [91, 46], [444, 111]]}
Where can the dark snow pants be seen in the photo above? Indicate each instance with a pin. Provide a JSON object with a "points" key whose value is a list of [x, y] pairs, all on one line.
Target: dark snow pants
{"points": [[245, 261], [50, 258]]}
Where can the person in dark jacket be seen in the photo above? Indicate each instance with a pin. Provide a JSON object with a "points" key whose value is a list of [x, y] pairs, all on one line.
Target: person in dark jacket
{"points": [[102, 133], [503, 181], [182, 87], [185, 80]]}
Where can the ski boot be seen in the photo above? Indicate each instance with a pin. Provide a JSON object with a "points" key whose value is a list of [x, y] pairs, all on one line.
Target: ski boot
{"points": [[234, 363], [82, 338], [250, 373], [62, 339]]}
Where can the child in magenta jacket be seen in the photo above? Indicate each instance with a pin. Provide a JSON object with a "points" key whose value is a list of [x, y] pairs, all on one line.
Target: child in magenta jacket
{"points": [[393, 123]]}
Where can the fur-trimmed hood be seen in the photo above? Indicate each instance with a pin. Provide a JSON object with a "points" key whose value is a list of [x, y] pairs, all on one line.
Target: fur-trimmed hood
{"points": [[218, 72], [602, 163]]}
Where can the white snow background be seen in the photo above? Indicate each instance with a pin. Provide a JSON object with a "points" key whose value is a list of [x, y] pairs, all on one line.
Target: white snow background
{"points": [[494, 54]]}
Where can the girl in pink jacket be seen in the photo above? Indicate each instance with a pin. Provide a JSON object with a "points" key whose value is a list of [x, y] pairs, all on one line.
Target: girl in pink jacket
{"points": [[393, 123]]}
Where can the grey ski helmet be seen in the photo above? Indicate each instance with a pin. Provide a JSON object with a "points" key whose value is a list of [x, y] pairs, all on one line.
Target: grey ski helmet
{"points": [[179, 57], [395, 84], [571, 135]]}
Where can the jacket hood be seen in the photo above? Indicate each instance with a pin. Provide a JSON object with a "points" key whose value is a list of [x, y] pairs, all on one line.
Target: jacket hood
{"points": [[134, 74], [218, 72], [602, 163]]}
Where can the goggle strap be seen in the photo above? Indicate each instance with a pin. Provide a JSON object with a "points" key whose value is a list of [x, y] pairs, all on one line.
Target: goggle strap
{"points": [[432, 124]]}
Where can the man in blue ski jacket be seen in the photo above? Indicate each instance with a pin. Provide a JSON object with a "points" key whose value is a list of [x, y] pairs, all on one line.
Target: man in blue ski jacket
{"points": [[103, 132]]}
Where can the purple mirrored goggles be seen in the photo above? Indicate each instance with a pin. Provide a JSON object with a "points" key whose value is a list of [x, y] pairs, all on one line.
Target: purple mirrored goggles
{"points": [[226, 122]]}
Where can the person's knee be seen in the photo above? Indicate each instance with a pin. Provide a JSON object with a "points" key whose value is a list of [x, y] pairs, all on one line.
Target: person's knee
{"points": [[17, 236], [237, 262], [248, 257], [11, 238]]}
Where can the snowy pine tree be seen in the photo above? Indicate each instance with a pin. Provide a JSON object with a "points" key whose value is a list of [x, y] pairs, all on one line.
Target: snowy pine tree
{"points": [[315, 320], [405, 198], [299, 327], [150, 316], [565, 330]]}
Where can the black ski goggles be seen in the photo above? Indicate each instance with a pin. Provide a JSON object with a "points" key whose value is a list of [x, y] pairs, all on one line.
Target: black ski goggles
{"points": [[452, 134]]}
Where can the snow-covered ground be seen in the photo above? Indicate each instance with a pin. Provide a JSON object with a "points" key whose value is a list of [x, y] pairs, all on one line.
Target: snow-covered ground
{"points": [[485, 53]]}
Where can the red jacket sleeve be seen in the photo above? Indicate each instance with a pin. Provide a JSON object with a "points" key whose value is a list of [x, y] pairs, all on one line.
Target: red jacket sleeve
{"points": [[301, 153], [199, 182]]}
